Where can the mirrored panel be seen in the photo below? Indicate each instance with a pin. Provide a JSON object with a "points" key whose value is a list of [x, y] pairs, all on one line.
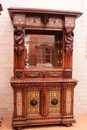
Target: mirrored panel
{"points": [[43, 50]]}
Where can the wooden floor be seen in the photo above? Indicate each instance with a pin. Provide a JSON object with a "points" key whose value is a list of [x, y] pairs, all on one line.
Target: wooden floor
{"points": [[81, 124]]}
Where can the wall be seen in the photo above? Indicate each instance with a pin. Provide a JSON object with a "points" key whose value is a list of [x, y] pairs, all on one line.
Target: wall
{"points": [[79, 58]]}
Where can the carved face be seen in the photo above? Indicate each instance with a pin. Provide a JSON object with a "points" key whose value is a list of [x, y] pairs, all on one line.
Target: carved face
{"points": [[18, 31]]}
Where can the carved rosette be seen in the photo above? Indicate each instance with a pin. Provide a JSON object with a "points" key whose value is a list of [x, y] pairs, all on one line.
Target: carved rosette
{"points": [[18, 40], [18, 74], [68, 74]]}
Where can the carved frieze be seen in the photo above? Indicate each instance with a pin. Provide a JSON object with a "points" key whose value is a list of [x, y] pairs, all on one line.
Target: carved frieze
{"points": [[43, 21], [33, 74], [54, 74]]}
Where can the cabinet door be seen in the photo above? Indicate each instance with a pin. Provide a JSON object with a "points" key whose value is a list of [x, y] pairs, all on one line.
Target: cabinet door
{"points": [[33, 102], [54, 102]]}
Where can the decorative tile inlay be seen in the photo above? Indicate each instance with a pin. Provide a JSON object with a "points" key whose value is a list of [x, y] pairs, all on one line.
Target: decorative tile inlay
{"points": [[55, 22], [34, 21], [54, 101], [19, 19], [33, 102], [70, 22], [19, 103], [68, 101]]}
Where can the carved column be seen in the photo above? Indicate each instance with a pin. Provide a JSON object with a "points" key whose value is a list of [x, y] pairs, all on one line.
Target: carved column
{"points": [[68, 41], [19, 25]]}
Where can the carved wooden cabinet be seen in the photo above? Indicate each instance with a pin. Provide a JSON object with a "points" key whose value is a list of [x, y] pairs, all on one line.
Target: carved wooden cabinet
{"points": [[43, 50]]}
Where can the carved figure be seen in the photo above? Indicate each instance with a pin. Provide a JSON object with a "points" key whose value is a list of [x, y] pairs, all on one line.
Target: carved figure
{"points": [[69, 41], [18, 39], [69, 36], [18, 36]]}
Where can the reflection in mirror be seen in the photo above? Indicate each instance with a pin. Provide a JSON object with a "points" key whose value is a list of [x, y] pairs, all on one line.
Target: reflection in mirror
{"points": [[43, 51]]}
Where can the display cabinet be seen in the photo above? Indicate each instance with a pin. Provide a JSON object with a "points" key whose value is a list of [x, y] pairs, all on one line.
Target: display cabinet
{"points": [[42, 83]]}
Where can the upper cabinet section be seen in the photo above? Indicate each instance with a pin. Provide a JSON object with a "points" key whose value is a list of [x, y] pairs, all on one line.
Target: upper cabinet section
{"points": [[39, 18], [43, 38]]}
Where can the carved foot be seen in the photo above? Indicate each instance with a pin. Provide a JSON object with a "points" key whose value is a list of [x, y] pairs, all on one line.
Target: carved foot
{"points": [[19, 128], [68, 125]]}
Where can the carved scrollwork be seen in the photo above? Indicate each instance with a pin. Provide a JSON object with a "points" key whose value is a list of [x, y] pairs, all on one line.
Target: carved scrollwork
{"points": [[54, 74], [33, 74], [18, 74], [18, 40]]}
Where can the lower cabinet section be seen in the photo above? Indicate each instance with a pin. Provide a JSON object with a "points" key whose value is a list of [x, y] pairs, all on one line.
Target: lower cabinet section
{"points": [[43, 102]]}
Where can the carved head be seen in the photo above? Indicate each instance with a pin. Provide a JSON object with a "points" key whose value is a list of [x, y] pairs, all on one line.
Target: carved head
{"points": [[18, 31]]}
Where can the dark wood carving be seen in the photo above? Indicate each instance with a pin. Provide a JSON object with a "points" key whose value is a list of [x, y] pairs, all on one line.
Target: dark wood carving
{"points": [[19, 41], [44, 90], [54, 74], [69, 38], [33, 74], [44, 20]]}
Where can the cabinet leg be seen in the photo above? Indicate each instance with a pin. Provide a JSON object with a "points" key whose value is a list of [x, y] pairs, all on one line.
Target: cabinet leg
{"points": [[19, 128], [68, 125]]}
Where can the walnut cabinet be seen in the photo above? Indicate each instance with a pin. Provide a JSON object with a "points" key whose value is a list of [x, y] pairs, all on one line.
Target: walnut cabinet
{"points": [[42, 82]]}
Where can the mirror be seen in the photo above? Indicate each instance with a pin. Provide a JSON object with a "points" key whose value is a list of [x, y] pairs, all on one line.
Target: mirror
{"points": [[43, 50]]}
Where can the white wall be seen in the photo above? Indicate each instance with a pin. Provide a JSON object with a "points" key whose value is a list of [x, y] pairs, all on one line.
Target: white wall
{"points": [[79, 58]]}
